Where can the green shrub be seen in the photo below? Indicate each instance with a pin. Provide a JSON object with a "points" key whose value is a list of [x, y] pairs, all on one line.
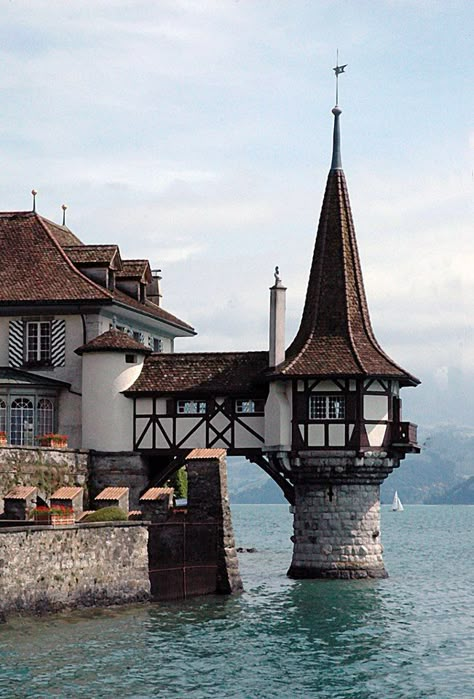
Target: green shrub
{"points": [[107, 514], [179, 481]]}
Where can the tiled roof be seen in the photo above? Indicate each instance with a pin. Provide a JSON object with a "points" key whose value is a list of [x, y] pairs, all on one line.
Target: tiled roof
{"points": [[61, 233], [111, 493], [157, 494], [38, 270], [203, 373], [20, 492], [152, 309], [198, 454], [335, 335], [113, 341], [100, 255], [135, 269], [66, 493]]}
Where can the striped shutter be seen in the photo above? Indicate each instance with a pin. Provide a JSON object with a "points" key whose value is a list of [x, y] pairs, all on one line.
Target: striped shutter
{"points": [[142, 338], [15, 343], [58, 342], [150, 342]]}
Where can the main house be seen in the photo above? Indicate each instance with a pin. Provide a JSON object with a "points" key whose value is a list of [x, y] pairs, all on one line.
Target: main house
{"points": [[56, 294]]}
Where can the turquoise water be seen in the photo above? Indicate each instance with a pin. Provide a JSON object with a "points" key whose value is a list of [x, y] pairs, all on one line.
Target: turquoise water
{"points": [[409, 636]]}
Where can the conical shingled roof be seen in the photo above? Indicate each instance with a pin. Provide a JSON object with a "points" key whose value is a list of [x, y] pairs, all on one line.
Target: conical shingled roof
{"points": [[335, 336]]}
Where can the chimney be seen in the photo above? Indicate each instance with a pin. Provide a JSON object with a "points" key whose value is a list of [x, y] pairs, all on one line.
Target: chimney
{"points": [[277, 321], [153, 288]]}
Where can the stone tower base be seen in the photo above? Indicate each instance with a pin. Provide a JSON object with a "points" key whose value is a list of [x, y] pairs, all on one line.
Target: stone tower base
{"points": [[337, 516]]}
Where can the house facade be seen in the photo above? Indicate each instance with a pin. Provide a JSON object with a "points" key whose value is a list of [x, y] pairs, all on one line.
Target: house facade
{"points": [[57, 294]]}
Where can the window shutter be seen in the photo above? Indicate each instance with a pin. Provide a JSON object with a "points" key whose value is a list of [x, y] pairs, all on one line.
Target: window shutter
{"points": [[150, 342], [58, 342], [15, 343]]}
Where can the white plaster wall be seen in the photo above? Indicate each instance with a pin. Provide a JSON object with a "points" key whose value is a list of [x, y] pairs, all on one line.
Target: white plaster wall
{"points": [[376, 434], [337, 435], [315, 435], [278, 416], [4, 328], [70, 417], [375, 407], [324, 386], [107, 415]]}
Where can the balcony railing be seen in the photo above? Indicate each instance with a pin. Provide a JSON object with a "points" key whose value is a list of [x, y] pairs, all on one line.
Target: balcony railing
{"points": [[404, 434]]}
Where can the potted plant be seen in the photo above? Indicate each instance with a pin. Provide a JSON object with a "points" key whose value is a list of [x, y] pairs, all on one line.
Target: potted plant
{"points": [[3, 439], [57, 515], [52, 439]]}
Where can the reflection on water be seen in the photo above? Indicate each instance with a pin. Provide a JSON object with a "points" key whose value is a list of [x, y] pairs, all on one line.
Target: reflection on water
{"points": [[408, 636]]}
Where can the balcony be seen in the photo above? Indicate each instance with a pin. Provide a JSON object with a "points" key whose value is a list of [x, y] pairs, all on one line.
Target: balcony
{"points": [[404, 437]]}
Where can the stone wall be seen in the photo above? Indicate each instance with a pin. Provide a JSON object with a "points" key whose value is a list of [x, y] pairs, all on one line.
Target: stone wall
{"points": [[337, 514], [208, 501], [49, 569], [45, 468], [127, 469]]}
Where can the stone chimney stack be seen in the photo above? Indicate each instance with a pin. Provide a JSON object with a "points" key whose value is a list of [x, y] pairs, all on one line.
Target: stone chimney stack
{"points": [[277, 322]]}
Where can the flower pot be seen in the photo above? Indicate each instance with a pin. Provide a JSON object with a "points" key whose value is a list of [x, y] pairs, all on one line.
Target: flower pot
{"points": [[62, 520]]}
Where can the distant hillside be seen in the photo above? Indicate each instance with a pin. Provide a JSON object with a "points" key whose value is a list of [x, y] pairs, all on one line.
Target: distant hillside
{"points": [[461, 494], [442, 473]]}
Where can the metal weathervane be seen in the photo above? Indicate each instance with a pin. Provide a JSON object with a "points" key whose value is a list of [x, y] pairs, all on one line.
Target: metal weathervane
{"points": [[337, 71]]}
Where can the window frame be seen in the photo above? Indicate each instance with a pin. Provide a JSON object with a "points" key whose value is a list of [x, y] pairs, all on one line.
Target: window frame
{"points": [[258, 406], [330, 400], [35, 356], [182, 402]]}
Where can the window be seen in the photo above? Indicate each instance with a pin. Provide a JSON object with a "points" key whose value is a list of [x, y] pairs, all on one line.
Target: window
{"points": [[249, 405], [157, 344], [38, 341], [191, 407], [130, 358], [3, 415], [21, 421], [45, 416], [327, 407]]}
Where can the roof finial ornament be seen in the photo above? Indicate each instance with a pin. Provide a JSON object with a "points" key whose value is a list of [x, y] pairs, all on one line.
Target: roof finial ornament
{"points": [[64, 208], [337, 71], [277, 275], [34, 193]]}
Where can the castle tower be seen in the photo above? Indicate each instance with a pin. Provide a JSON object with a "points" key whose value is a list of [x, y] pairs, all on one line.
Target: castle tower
{"points": [[346, 429]]}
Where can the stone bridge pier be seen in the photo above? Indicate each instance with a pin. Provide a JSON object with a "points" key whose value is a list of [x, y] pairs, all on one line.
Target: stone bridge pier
{"points": [[337, 514]]}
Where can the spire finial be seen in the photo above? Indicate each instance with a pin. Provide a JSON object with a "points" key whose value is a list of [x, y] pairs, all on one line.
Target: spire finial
{"points": [[34, 193], [64, 208], [337, 71], [336, 163]]}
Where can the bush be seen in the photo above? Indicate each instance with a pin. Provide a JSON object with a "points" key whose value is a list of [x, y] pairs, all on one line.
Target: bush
{"points": [[179, 481], [106, 514]]}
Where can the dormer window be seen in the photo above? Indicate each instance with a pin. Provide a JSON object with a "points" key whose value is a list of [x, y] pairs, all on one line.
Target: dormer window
{"points": [[38, 342], [327, 407]]}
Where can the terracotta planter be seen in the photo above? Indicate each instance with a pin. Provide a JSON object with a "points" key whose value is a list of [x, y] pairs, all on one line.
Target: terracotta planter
{"points": [[3, 442], [54, 442], [62, 520]]}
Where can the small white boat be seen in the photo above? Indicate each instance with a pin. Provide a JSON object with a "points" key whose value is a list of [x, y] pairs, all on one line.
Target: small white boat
{"points": [[397, 503]]}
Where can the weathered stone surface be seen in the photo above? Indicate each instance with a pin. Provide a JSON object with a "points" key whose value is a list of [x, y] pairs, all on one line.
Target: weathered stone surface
{"points": [[49, 569], [127, 469], [45, 468], [337, 514], [208, 501]]}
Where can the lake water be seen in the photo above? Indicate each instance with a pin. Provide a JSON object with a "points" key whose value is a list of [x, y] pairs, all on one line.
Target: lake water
{"points": [[409, 636]]}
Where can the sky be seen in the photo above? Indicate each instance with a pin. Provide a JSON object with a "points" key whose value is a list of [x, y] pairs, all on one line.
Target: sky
{"points": [[197, 134]]}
